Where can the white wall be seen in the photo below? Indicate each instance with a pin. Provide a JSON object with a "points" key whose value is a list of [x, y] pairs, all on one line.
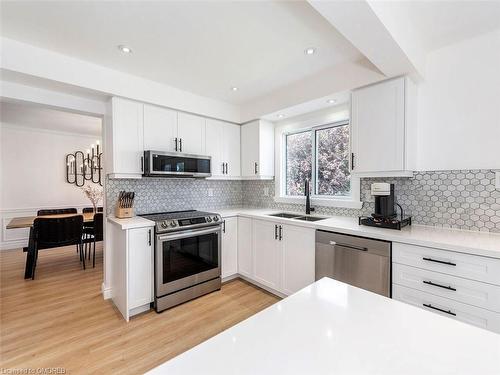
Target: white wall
{"points": [[459, 106], [32, 174]]}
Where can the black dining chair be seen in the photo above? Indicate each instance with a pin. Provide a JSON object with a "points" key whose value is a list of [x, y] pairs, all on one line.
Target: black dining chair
{"points": [[53, 211], [56, 211], [86, 210], [93, 235], [55, 232]]}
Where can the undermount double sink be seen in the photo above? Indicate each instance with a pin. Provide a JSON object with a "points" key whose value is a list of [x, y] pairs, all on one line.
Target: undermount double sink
{"points": [[286, 215]]}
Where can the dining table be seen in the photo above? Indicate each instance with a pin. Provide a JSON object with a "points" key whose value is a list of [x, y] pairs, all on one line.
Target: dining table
{"points": [[27, 222]]}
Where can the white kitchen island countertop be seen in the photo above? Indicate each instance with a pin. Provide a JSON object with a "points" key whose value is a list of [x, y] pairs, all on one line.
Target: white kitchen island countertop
{"points": [[332, 328], [478, 243]]}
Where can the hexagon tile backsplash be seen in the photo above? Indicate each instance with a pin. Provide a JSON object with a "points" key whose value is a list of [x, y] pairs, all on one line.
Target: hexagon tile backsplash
{"points": [[464, 199]]}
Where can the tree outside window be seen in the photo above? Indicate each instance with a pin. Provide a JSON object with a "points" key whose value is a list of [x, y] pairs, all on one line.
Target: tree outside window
{"points": [[328, 147]]}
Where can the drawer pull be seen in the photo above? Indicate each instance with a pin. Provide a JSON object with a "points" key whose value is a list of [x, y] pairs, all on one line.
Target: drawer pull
{"points": [[449, 312], [439, 261], [439, 286]]}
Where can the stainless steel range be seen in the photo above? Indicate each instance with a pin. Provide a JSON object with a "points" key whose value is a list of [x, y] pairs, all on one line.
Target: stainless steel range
{"points": [[187, 256]]}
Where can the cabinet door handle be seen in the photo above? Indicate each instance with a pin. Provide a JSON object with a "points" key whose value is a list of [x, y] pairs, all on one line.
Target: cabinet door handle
{"points": [[275, 232], [222, 168], [439, 285], [149, 237], [352, 160], [439, 261], [255, 168], [281, 233], [142, 163], [428, 305], [176, 144], [226, 168], [223, 226], [180, 144]]}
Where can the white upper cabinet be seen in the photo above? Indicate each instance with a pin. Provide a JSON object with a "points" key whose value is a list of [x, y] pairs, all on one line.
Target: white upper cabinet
{"points": [[223, 145], [257, 150], [160, 128], [231, 149], [124, 139], [191, 133], [383, 133]]}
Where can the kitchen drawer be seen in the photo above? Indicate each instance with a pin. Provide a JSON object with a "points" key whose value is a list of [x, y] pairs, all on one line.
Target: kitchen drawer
{"points": [[472, 267], [467, 291], [456, 310]]}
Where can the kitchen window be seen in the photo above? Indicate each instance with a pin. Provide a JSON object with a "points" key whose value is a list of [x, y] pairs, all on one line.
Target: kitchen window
{"points": [[322, 154]]}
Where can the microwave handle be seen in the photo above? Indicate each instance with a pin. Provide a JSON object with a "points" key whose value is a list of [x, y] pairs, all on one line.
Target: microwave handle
{"points": [[193, 233]]}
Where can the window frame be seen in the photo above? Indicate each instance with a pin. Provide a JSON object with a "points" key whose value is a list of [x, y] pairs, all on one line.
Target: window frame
{"points": [[348, 201]]}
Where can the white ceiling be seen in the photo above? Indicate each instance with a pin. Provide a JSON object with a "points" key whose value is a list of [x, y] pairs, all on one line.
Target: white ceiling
{"points": [[202, 47], [34, 116], [440, 23]]}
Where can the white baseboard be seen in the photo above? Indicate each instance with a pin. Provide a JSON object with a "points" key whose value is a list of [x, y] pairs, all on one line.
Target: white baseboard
{"points": [[229, 278], [261, 286], [106, 292]]}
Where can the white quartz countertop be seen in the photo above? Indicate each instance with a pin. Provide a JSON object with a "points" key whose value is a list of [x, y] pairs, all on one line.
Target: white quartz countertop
{"points": [[332, 328], [132, 222], [478, 243]]}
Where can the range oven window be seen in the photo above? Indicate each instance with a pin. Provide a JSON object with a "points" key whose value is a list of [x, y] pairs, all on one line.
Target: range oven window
{"points": [[189, 256]]}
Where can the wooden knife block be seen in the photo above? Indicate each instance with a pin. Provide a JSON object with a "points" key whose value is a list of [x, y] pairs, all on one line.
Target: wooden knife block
{"points": [[123, 213]]}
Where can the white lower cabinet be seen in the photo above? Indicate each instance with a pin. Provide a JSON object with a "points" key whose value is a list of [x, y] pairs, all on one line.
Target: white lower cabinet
{"points": [[132, 288], [460, 286], [298, 254], [452, 309], [282, 255], [229, 247], [245, 251], [266, 253]]}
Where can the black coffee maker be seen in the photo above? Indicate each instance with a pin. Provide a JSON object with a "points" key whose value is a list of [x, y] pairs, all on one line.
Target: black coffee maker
{"points": [[385, 215], [384, 200]]}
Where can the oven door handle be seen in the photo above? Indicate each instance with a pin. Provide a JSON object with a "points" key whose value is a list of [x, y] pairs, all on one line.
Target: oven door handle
{"points": [[191, 233]]}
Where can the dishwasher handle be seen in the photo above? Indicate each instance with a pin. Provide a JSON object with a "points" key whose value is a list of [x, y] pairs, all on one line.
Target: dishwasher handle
{"points": [[354, 247]]}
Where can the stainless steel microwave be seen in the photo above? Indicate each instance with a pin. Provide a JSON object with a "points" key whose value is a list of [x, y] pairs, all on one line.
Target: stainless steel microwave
{"points": [[175, 164]]}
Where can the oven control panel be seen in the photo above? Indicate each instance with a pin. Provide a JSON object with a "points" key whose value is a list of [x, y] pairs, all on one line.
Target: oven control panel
{"points": [[186, 223]]}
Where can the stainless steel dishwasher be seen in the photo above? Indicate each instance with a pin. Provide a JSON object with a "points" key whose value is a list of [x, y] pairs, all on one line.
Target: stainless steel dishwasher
{"points": [[358, 261]]}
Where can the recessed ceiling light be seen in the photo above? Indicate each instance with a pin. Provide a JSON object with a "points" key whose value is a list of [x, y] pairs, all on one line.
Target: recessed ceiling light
{"points": [[234, 88], [124, 49], [310, 51], [331, 101], [281, 115]]}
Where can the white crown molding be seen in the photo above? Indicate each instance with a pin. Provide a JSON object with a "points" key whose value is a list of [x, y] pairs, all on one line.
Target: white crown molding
{"points": [[48, 131]]}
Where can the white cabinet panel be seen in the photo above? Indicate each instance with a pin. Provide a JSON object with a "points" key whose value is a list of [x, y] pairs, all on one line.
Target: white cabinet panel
{"points": [[382, 128], [231, 149], [245, 247], [249, 149], [266, 254], [140, 267], [125, 131], [229, 246], [472, 292], [214, 144], [298, 258], [449, 262], [446, 307], [191, 133], [160, 128]]}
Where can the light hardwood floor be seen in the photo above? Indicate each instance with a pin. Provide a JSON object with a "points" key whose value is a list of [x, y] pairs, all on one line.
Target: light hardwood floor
{"points": [[61, 320]]}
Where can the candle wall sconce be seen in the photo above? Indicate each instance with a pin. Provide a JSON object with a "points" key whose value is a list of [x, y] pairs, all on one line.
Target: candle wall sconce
{"points": [[82, 167]]}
